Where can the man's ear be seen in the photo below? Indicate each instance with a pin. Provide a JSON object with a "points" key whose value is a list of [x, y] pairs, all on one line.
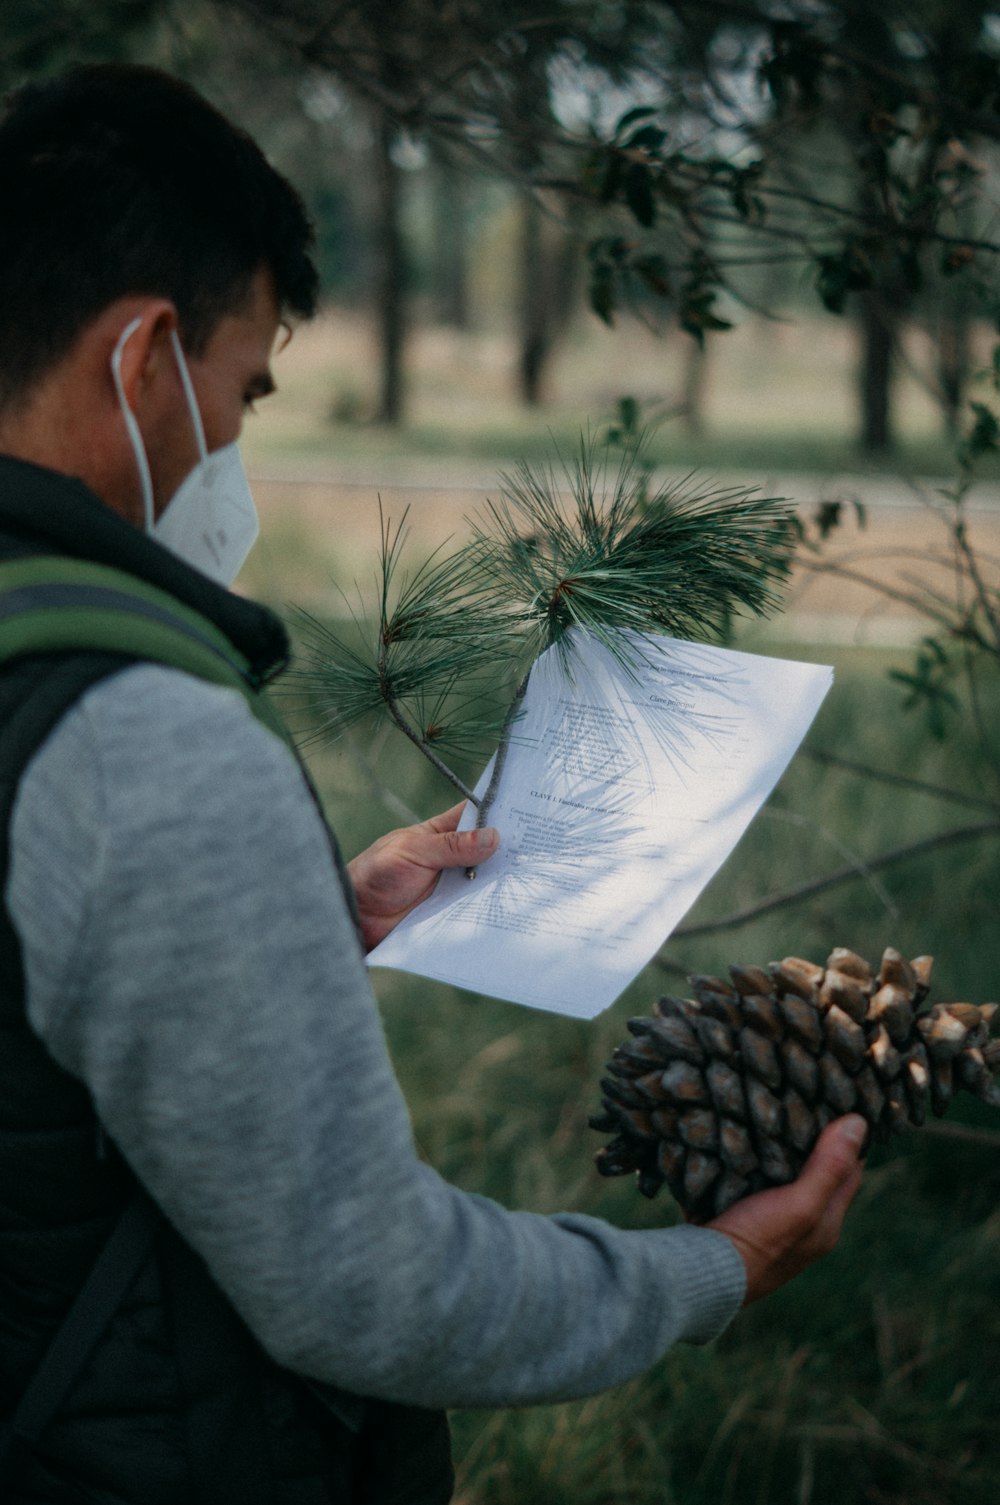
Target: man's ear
{"points": [[134, 341]]}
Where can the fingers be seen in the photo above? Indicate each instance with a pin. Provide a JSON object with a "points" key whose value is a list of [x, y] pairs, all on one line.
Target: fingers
{"points": [[782, 1231], [401, 869]]}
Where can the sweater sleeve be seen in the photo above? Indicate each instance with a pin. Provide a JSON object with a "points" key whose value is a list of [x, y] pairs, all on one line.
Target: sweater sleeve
{"points": [[190, 957]]}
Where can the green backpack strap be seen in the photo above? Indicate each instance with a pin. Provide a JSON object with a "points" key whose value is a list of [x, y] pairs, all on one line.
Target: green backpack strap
{"points": [[53, 605]]}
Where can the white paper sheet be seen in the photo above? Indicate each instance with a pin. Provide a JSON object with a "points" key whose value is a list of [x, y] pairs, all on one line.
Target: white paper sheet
{"points": [[622, 794]]}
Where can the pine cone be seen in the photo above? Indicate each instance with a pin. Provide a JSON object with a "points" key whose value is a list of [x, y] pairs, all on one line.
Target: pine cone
{"points": [[726, 1093]]}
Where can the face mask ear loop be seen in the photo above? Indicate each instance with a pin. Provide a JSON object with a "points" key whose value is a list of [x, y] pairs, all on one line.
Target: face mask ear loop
{"points": [[192, 401], [134, 432]]}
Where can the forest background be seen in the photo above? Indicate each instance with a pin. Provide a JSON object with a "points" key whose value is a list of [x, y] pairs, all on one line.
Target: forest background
{"points": [[767, 234]]}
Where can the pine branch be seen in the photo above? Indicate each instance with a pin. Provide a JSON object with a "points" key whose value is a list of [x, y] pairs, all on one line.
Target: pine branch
{"points": [[392, 706], [678, 562], [587, 549]]}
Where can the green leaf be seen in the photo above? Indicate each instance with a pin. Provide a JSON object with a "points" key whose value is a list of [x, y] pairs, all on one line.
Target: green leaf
{"points": [[928, 686], [650, 138], [612, 177], [698, 316], [638, 184], [829, 515], [628, 414], [983, 438], [840, 273], [748, 205], [633, 116]]}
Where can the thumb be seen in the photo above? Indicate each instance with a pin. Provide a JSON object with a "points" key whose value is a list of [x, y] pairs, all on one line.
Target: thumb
{"points": [[834, 1159], [467, 848]]}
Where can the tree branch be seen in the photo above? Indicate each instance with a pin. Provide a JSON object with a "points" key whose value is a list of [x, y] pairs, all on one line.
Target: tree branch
{"points": [[988, 1138], [393, 707], [843, 875], [917, 786], [920, 603]]}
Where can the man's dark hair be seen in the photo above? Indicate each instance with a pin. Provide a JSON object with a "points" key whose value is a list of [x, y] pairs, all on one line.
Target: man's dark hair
{"points": [[116, 180]]}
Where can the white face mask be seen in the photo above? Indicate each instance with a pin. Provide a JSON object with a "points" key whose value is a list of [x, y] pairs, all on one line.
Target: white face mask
{"points": [[210, 521]]}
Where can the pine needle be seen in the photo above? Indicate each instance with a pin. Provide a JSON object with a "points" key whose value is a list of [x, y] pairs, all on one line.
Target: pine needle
{"points": [[586, 547], [610, 558]]}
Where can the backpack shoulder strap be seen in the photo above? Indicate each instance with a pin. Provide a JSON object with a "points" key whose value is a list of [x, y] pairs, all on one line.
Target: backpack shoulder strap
{"points": [[110, 1277], [57, 605]]}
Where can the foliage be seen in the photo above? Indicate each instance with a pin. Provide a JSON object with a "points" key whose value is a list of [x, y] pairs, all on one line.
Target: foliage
{"points": [[928, 686], [891, 99], [966, 642], [42, 39], [467, 626], [836, 136]]}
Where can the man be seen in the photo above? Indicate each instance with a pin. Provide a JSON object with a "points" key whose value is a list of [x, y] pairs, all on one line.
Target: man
{"points": [[195, 1013]]}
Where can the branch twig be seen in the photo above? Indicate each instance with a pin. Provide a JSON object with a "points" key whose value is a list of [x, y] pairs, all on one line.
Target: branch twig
{"points": [[842, 875], [485, 804], [918, 786], [392, 706], [988, 1138]]}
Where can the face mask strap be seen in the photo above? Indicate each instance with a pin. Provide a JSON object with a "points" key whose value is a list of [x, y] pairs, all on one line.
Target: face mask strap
{"points": [[192, 401], [131, 425]]}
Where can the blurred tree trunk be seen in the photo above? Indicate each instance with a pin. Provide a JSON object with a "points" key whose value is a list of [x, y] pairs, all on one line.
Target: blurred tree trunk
{"points": [[390, 273], [695, 372], [534, 326], [878, 321], [951, 327], [549, 271], [450, 263], [953, 357], [538, 253]]}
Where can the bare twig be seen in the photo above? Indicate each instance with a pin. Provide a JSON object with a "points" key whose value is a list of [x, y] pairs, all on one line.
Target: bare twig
{"points": [[843, 875], [985, 597], [805, 822], [988, 1138], [864, 1436], [392, 706], [919, 603], [884, 776]]}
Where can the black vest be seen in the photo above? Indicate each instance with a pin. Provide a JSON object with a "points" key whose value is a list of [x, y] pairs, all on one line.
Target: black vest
{"points": [[178, 1404]]}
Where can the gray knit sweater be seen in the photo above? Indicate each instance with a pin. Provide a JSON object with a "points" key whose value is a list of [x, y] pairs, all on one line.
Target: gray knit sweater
{"points": [[190, 957]]}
